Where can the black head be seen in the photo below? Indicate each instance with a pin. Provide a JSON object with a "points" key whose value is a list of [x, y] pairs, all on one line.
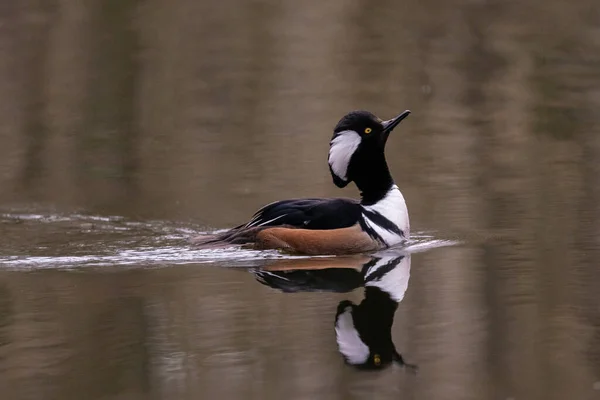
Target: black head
{"points": [[356, 150]]}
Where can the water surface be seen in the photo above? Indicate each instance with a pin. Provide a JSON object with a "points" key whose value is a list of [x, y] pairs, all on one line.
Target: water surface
{"points": [[129, 126]]}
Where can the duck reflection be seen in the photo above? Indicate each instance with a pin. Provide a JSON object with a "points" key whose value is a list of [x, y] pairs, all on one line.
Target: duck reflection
{"points": [[363, 331]]}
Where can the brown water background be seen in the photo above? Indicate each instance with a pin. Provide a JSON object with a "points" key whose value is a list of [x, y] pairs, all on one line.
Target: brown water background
{"points": [[179, 116]]}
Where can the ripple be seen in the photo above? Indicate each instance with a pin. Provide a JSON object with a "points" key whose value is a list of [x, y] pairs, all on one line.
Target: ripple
{"points": [[79, 240]]}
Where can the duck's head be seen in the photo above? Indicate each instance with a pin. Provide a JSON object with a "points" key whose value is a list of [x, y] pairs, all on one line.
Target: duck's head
{"points": [[356, 151]]}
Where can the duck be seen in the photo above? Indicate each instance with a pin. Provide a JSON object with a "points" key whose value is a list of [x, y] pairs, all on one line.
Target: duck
{"points": [[335, 226]]}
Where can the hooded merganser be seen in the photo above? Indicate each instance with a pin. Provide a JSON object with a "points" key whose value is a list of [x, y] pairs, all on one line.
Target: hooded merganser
{"points": [[336, 226], [364, 331]]}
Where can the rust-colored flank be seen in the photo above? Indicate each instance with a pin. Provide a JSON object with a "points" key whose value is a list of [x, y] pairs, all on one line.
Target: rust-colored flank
{"points": [[306, 241]]}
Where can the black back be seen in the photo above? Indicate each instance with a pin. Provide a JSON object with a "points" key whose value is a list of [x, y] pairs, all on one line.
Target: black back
{"points": [[308, 214]]}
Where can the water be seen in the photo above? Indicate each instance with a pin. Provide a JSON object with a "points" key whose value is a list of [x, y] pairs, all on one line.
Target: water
{"points": [[129, 126], [91, 240]]}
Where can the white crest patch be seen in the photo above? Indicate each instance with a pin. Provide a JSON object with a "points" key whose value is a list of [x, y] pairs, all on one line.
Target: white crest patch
{"points": [[341, 149], [392, 207], [348, 340], [395, 282]]}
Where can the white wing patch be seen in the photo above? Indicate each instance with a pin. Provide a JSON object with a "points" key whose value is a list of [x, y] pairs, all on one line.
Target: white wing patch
{"points": [[260, 223], [392, 207], [257, 218], [395, 282], [348, 340], [341, 149]]}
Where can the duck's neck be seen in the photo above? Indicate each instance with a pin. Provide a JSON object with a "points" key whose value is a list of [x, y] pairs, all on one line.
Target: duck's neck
{"points": [[373, 178]]}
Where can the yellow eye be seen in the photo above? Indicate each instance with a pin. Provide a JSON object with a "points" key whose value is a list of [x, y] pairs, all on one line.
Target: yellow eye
{"points": [[376, 358], [368, 130]]}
